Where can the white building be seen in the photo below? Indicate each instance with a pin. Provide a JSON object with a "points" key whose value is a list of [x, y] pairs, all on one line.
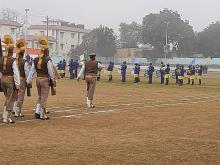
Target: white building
{"points": [[67, 35], [10, 27]]}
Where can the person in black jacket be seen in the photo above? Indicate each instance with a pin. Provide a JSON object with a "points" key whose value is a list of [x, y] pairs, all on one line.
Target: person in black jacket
{"points": [[110, 70], [150, 73]]}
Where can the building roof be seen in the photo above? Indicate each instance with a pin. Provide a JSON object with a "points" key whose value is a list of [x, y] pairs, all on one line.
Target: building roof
{"points": [[10, 23], [55, 20], [33, 51], [35, 38], [57, 27]]}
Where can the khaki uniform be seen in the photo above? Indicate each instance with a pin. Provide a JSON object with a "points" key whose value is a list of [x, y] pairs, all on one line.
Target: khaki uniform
{"points": [[9, 83], [23, 70], [91, 70], [44, 73]]}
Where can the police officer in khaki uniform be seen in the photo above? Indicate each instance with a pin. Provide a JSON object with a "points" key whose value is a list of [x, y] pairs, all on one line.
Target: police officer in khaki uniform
{"points": [[90, 70], [10, 80], [44, 68], [24, 72]]}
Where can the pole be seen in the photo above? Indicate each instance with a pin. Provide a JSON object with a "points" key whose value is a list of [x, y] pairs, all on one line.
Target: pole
{"points": [[1, 53], [166, 47], [47, 26], [26, 25]]}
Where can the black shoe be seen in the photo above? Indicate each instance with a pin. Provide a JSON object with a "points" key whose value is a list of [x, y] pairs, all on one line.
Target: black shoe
{"points": [[37, 116], [11, 122]]}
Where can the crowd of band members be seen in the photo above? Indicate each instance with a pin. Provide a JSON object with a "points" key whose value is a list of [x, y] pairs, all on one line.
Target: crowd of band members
{"points": [[192, 73], [180, 73]]}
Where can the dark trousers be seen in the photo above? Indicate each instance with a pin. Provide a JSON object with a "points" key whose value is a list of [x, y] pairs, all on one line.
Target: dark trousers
{"points": [[162, 79], [71, 74], [75, 73], [110, 78], [150, 76], [123, 76], [167, 81], [188, 80], [136, 79], [177, 79]]}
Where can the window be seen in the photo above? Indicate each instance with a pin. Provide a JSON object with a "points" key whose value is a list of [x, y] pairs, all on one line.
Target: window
{"points": [[42, 33], [53, 32], [72, 46], [61, 35], [37, 45], [61, 46], [72, 35], [51, 45], [13, 30]]}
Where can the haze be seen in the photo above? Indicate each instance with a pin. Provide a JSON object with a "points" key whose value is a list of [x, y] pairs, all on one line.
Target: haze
{"points": [[92, 13]]}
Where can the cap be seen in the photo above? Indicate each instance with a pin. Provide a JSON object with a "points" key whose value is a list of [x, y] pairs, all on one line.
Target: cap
{"points": [[92, 54]]}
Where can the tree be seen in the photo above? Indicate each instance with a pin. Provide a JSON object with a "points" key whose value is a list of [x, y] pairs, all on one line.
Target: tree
{"points": [[209, 40], [10, 15], [101, 40], [130, 35], [155, 26]]}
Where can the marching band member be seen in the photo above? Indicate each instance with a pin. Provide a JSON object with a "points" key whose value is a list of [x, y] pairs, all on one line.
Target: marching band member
{"points": [[10, 81], [136, 73], [200, 75], [192, 74], [123, 71], [110, 70], [188, 73], [167, 74], [90, 70], [162, 69], [181, 75], [177, 73], [46, 78], [24, 72], [150, 72]]}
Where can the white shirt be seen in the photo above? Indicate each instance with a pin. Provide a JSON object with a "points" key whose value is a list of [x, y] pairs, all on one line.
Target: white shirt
{"points": [[26, 70], [16, 75], [33, 71]]}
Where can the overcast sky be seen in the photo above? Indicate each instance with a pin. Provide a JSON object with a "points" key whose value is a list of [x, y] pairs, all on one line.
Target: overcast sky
{"points": [[92, 13]]}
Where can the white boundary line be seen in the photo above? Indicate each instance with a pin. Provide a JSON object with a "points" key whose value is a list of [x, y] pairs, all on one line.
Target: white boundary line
{"points": [[181, 98], [69, 108], [114, 110]]}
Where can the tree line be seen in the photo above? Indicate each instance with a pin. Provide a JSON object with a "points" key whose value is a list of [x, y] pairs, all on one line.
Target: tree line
{"points": [[164, 32]]}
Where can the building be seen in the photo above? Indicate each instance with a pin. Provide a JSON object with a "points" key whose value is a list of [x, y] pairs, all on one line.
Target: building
{"points": [[32, 42], [10, 27], [128, 52], [67, 35]]}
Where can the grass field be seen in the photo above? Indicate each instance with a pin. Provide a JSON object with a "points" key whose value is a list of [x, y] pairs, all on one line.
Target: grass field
{"points": [[131, 124]]}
